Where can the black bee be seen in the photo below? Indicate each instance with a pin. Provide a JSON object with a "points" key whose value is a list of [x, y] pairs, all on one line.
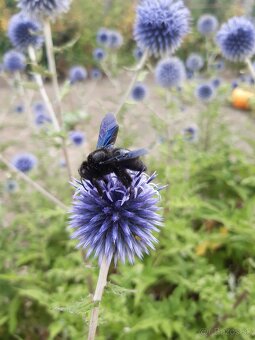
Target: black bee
{"points": [[106, 159]]}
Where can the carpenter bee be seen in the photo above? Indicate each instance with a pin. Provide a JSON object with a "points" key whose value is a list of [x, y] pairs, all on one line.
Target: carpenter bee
{"points": [[107, 159]]}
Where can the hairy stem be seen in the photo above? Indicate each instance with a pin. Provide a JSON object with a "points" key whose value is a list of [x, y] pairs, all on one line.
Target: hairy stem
{"points": [[101, 283], [250, 67], [35, 185], [132, 83], [45, 97], [52, 66]]}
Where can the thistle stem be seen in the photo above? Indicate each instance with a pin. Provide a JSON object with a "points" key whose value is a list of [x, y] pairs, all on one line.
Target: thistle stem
{"points": [[250, 67], [45, 97], [132, 83], [52, 65], [101, 283], [24, 97], [35, 185]]}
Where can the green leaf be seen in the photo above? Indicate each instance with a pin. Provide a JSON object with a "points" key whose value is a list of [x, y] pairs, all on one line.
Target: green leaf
{"points": [[13, 311]]}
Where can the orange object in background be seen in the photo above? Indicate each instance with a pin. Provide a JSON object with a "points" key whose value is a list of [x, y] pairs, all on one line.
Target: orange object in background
{"points": [[241, 99]]}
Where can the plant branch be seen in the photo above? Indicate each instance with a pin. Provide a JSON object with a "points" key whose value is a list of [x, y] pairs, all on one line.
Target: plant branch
{"points": [[45, 97], [101, 283], [132, 83], [35, 185]]}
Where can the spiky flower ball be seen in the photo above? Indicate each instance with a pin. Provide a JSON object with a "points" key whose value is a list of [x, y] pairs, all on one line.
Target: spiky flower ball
{"points": [[41, 9], [205, 92], [24, 162], [77, 74], [77, 137], [24, 32], [170, 72], [190, 133], [121, 223], [216, 82], [115, 39], [99, 54], [138, 53], [102, 36], [14, 61], [139, 92], [207, 24], [161, 25], [194, 62], [236, 39], [96, 74], [11, 186]]}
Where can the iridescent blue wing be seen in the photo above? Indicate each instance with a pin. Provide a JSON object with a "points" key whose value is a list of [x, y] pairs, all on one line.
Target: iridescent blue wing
{"points": [[124, 155], [108, 131]]}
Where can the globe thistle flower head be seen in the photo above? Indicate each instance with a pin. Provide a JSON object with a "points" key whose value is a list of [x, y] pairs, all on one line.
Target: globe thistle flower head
{"points": [[216, 82], [99, 54], [14, 61], [115, 39], [161, 25], [194, 62], [139, 92], [77, 74], [41, 119], [19, 108], [190, 133], [236, 39], [39, 108], [220, 65], [41, 9], [96, 74], [11, 186], [102, 36], [234, 84], [138, 53], [205, 92], [170, 72], [77, 137], [207, 24], [24, 162], [24, 32], [121, 222]]}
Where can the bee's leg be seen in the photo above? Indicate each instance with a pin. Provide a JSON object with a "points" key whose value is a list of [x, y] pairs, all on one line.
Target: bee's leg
{"points": [[97, 185], [136, 165], [123, 176], [83, 184]]}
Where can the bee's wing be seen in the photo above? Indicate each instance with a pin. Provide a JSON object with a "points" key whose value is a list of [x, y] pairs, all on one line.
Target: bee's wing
{"points": [[108, 131], [126, 155]]}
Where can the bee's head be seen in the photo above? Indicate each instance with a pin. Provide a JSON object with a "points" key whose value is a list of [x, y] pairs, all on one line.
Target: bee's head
{"points": [[84, 170]]}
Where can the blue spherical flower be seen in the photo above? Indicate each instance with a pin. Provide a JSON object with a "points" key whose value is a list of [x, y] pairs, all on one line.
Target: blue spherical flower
{"points": [[234, 84], [220, 65], [44, 8], [24, 162], [39, 108], [96, 74], [102, 36], [115, 39], [170, 72], [194, 62], [41, 119], [161, 25], [205, 92], [138, 53], [190, 133], [216, 82], [139, 92], [19, 108], [207, 24], [14, 61], [121, 222], [11, 186], [236, 39], [24, 32], [77, 137], [99, 54], [77, 74]]}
